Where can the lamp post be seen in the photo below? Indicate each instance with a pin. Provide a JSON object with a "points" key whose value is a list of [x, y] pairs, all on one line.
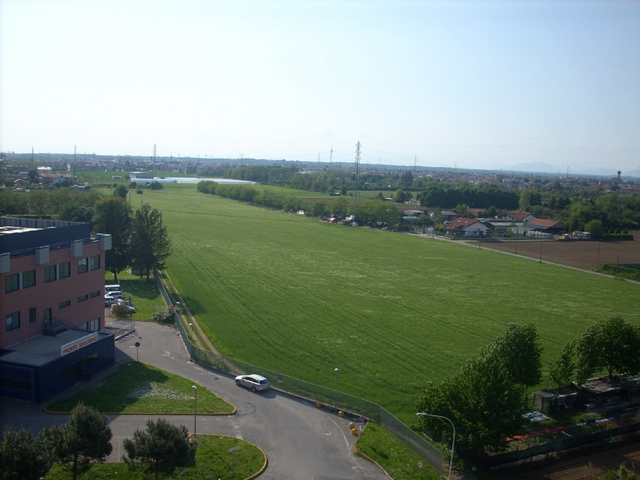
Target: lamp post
{"points": [[453, 442], [195, 407], [335, 400]]}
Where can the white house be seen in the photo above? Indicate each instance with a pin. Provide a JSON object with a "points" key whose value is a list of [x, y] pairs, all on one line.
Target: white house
{"points": [[468, 227]]}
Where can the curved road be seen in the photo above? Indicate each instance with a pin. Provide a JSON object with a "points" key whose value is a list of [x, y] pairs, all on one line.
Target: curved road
{"points": [[300, 441]]}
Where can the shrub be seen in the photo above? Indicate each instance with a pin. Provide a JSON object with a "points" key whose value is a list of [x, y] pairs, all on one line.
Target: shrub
{"points": [[163, 316]]}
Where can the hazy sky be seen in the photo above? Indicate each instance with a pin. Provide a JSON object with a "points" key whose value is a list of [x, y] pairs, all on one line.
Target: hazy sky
{"points": [[468, 84]]}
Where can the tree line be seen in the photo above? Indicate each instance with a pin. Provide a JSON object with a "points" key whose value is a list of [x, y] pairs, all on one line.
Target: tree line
{"points": [[372, 212], [486, 400], [86, 438]]}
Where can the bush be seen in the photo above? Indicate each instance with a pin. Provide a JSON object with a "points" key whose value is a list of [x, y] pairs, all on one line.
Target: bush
{"points": [[163, 316], [120, 310]]}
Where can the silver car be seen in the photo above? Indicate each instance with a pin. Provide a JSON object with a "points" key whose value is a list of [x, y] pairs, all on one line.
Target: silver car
{"points": [[254, 382]]}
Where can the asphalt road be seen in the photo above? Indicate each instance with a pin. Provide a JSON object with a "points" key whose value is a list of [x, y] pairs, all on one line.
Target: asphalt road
{"points": [[301, 442]]}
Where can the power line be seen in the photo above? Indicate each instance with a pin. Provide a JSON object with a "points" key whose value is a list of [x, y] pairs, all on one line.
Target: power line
{"points": [[357, 167]]}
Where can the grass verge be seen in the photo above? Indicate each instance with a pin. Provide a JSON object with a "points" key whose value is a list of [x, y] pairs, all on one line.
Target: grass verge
{"points": [[400, 462], [137, 388], [213, 460]]}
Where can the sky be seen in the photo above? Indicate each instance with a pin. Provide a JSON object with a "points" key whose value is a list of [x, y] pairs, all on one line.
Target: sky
{"points": [[469, 85]]}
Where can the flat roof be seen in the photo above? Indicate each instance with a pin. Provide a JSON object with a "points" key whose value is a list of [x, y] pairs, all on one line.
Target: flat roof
{"points": [[43, 349]]}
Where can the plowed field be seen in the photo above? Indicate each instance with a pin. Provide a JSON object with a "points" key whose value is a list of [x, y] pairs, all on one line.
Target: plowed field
{"points": [[588, 255]]}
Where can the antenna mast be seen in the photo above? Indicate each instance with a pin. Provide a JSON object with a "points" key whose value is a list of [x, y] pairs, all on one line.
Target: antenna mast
{"points": [[357, 167]]}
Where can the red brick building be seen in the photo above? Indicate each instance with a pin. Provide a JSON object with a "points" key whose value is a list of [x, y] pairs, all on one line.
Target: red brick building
{"points": [[51, 299]]}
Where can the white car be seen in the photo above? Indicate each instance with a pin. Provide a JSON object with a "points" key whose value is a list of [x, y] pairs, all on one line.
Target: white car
{"points": [[254, 382], [112, 297]]}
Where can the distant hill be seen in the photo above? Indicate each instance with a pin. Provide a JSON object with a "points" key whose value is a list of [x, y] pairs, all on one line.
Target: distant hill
{"points": [[536, 167], [541, 167]]}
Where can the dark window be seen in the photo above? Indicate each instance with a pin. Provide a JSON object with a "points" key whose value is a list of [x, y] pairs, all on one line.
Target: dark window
{"points": [[13, 321], [32, 314], [95, 294], [11, 283], [64, 270], [82, 298], [94, 262], [83, 265], [47, 317], [28, 278], [64, 304], [95, 324], [50, 273]]}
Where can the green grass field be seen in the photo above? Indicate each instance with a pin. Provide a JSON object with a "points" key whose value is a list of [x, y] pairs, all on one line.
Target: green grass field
{"points": [[392, 311]]}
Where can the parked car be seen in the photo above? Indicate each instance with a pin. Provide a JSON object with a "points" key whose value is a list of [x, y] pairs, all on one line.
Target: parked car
{"points": [[254, 382], [125, 305], [113, 297]]}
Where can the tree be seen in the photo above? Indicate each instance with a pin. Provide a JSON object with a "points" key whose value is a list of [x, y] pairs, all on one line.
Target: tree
{"points": [[23, 457], [520, 351], [121, 191], [33, 176], [482, 402], [162, 447], [339, 207], [611, 344], [150, 245], [525, 200], [595, 228], [113, 215], [561, 371], [319, 208], [84, 438], [399, 196]]}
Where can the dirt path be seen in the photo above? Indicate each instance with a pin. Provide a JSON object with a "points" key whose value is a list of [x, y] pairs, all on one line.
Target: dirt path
{"points": [[201, 340]]}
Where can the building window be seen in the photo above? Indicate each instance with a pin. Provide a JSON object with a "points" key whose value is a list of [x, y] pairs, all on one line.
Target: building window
{"points": [[95, 324], [11, 283], [47, 317], [64, 270], [28, 278], [64, 304], [82, 298], [94, 262], [50, 273], [83, 265], [13, 321], [84, 326], [32, 314], [95, 294]]}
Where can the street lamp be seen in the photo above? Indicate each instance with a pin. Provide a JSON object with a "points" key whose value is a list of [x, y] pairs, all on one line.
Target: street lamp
{"points": [[335, 400], [195, 407], [453, 442]]}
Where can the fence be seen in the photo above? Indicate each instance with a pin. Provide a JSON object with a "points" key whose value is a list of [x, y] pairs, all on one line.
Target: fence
{"points": [[120, 328], [327, 396], [572, 444]]}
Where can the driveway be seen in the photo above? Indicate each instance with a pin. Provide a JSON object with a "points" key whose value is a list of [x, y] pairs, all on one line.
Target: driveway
{"points": [[300, 441]]}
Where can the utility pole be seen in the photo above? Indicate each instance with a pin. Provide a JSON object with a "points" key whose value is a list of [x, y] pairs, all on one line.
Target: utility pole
{"points": [[331, 157], [415, 163], [357, 167]]}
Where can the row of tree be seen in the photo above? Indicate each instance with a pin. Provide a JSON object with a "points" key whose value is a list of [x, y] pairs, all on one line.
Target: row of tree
{"points": [[486, 400], [370, 212], [440, 195], [86, 438]]}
